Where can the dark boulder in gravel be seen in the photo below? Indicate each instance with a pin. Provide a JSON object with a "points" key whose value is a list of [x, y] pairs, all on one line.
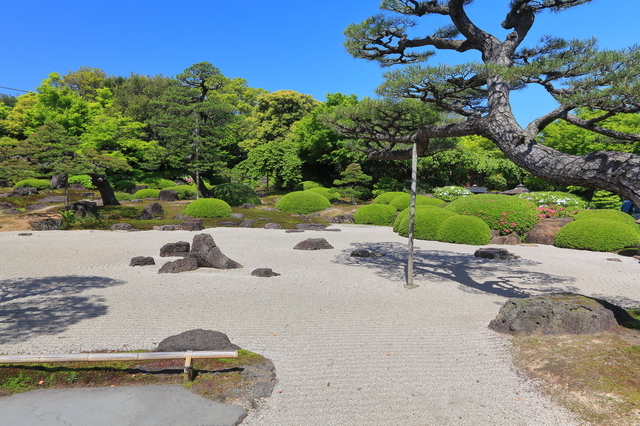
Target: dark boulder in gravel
{"points": [[168, 195], [310, 226], [558, 313], [181, 248], [494, 253], [313, 244], [180, 265], [208, 254], [365, 253], [142, 261], [264, 273], [121, 227], [272, 225], [46, 224], [197, 340], [246, 223]]}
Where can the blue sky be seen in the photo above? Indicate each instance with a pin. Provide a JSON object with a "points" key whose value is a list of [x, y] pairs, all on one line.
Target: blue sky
{"points": [[283, 44]]}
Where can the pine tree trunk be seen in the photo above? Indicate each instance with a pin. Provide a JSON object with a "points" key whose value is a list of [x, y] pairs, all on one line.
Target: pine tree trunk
{"points": [[106, 190]]}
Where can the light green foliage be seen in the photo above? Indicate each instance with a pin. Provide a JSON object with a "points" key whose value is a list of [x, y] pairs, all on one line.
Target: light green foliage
{"points": [[462, 229], [606, 200], [38, 184], [157, 183], [451, 192], [235, 194], [85, 82], [16, 122], [375, 214], [302, 202], [123, 196], [554, 198], [504, 213], [84, 180], [274, 115], [330, 194], [606, 214], [387, 197], [402, 201], [426, 223], [184, 191], [307, 184], [208, 207], [598, 235], [147, 193], [386, 184], [277, 161]]}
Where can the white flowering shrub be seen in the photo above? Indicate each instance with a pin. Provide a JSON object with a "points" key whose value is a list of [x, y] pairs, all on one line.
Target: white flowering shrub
{"points": [[554, 198], [450, 193]]}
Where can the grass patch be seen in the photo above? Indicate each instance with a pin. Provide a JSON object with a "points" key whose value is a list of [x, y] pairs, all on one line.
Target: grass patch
{"points": [[595, 376]]}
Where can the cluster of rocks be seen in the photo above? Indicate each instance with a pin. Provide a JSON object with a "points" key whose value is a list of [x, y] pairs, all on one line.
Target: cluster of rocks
{"points": [[203, 253], [543, 232]]}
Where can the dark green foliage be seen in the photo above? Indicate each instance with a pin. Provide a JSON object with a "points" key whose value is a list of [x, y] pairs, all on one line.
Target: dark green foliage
{"points": [[328, 193], [401, 202], [123, 196], [157, 183], [501, 212], [598, 235], [427, 222], [606, 214], [387, 197], [147, 193], [184, 191], [461, 229], [302, 202], [375, 214], [123, 185], [208, 207], [235, 194], [38, 184], [353, 183]]}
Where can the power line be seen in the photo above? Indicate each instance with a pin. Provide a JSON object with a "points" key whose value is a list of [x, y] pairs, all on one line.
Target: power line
{"points": [[17, 90]]}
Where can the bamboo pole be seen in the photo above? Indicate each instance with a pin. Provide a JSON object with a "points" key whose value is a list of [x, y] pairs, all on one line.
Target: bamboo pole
{"points": [[96, 357]]}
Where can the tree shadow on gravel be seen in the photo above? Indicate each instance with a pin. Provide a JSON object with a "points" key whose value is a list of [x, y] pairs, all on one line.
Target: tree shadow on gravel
{"points": [[30, 307], [506, 278]]}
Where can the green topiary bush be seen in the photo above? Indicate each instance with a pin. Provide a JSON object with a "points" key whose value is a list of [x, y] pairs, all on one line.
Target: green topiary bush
{"points": [[157, 183], [401, 202], [375, 214], [504, 213], [463, 229], [123, 196], [606, 214], [147, 193], [38, 184], [328, 193], [450, 193], [84, 180], [302, 202], [235, 194], [427, 222], [597, 235], [184, 191], [387, 197], [208, 207], [307, 184]]}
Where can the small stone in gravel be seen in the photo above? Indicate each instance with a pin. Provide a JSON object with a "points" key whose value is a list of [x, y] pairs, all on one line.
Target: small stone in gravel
{"points": [[142, 261], [313, 244], [180, 265], [365, 253], [264, 272]]}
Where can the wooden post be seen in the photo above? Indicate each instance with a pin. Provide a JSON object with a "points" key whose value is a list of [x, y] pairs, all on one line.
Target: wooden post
{"points": [[412, 214]]}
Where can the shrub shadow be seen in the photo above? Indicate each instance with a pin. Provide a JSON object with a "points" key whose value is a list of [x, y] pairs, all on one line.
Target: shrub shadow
{"points": [[506, 278], [30, 307]]}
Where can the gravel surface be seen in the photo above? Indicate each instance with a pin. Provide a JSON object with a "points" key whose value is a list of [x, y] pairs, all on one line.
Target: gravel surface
{"points": [[350, 344]]}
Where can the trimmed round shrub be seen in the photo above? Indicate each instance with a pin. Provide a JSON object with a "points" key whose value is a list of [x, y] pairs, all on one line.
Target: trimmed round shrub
{"points": [[147, 193], [427, 222], [307, 184], [403, 201], [597, 235], [84, 180], [387, 197], [504, 213], [302, 202], [554, 198], [38, 184], [450, 193], [606, 214], [208, 207], [328, 193], [235, 194], [157, 183], [123, 196], [184, 191], [375, 214], [461, 229]]}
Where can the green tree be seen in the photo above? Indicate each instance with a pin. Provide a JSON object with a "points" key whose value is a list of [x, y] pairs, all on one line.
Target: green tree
{"points": [[574, 73], [353, 181], [276, 161], [85, 81]]}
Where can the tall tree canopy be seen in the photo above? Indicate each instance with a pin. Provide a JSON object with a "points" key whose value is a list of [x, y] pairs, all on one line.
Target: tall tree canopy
{"points": [[577, 74]]}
